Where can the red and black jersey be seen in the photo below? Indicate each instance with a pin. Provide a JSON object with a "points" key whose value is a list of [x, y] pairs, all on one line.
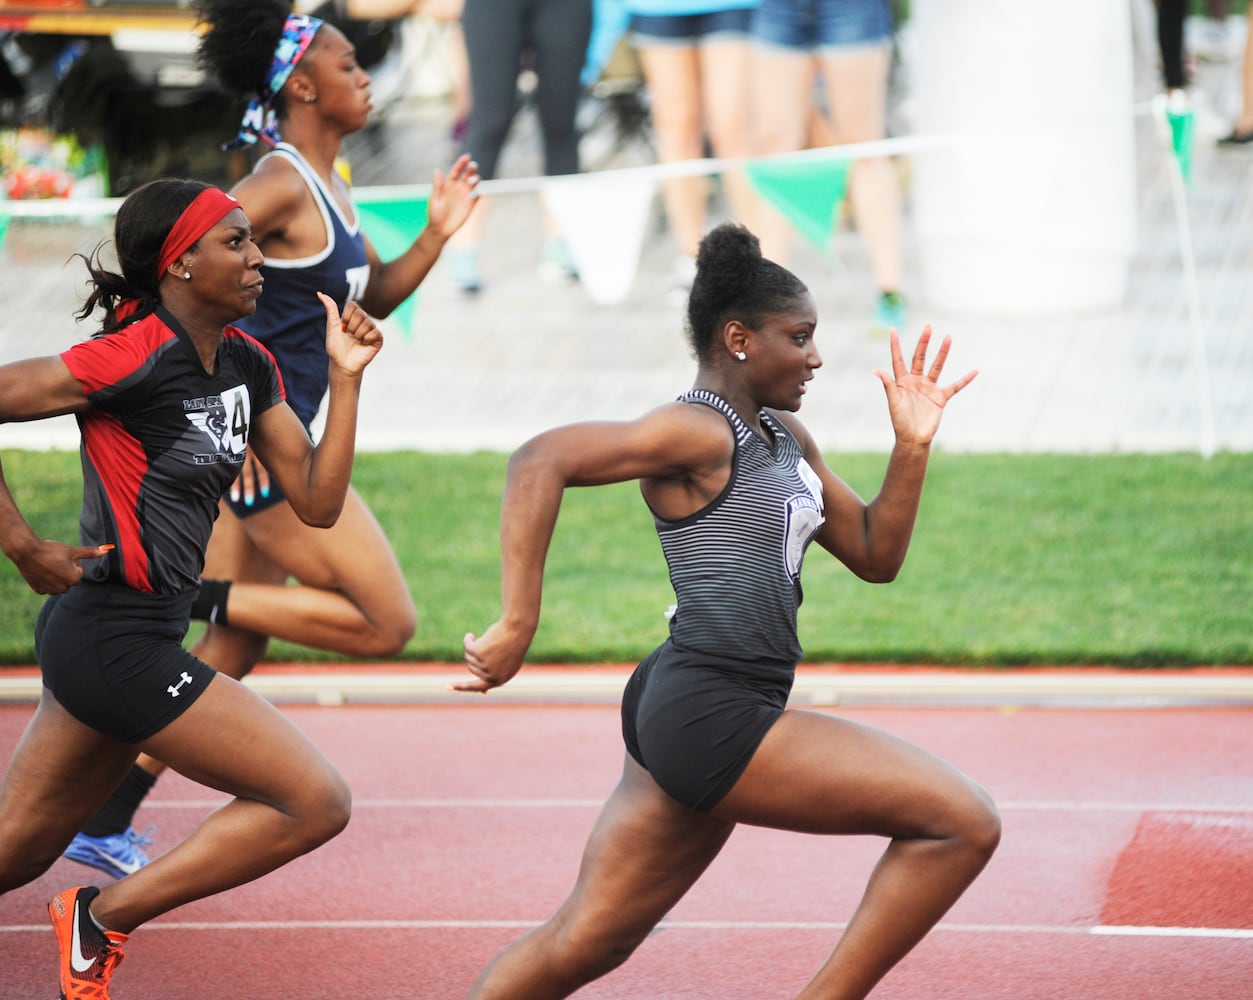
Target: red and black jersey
{"points": [[161, 442]]}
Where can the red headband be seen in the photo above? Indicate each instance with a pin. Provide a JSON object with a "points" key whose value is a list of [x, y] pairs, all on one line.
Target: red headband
{"points": [[198, 218]]}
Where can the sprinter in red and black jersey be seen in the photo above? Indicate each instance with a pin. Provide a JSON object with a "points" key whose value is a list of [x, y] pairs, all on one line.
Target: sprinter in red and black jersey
{"points": [[267, 573], [168, 396]]}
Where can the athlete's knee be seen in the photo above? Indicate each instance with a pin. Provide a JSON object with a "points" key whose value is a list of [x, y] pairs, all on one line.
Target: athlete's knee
{"points": [[586, 951], [394, 634], [324, 809], [387, 635], [979, 822], [20, 864]]}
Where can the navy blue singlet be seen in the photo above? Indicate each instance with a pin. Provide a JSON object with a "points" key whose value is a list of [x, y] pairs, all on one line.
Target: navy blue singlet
{"points": [[290, 320]]}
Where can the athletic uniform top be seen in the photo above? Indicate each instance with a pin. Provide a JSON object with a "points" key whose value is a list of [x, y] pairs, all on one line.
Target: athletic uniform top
{"points": [[735, 565], [161, 441], [290, 320]]}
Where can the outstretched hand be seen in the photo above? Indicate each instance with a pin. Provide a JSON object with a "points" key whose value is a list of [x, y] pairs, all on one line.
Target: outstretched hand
{"points": [[493, 658], [453, 197], [352, 340], [916, 400]]}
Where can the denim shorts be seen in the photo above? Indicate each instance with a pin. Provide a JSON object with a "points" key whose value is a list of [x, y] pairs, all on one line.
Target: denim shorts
{"points": [[690, 29], [815, 25]]}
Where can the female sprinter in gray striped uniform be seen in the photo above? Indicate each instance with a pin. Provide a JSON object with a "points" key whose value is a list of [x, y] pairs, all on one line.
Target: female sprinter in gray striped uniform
{"points": [[738, 489]]}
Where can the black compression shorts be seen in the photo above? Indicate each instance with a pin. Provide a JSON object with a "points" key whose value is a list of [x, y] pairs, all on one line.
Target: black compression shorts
{"points": [[694, 721], [113, 658]]}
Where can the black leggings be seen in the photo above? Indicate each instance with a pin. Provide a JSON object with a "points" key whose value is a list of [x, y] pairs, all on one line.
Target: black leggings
{"points": [[496, 34], [1170, 18]]}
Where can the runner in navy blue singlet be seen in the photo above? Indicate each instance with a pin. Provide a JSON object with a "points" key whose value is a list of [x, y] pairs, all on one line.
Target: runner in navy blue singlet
{"points": [[168, 397], [738, 490]]}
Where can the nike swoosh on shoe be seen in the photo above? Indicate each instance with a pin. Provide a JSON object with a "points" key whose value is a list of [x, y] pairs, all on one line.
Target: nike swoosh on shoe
{"points": [[78, 961], [128, 867]]}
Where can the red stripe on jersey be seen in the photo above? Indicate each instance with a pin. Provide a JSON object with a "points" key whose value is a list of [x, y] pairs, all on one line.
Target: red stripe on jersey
{"points": [[105, 361], [119, 462]]}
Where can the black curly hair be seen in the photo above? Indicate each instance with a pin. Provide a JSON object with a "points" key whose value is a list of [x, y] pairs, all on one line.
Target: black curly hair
{"points": [[238, 43], [734, 281]]}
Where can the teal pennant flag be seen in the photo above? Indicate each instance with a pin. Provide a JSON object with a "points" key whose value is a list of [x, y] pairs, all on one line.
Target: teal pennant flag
{"points": [[392, 225], [806, 191]]}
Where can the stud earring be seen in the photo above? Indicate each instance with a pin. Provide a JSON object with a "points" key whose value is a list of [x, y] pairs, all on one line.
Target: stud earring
{"points": [[187, 276], [741, 356], [310, 98]]}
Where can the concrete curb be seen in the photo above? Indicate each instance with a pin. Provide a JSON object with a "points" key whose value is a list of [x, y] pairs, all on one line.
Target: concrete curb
{"points": [[816, 686]]}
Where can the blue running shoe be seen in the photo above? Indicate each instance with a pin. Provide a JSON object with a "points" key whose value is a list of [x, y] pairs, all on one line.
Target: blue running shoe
{"points": [[118, 855], [889, 314]]}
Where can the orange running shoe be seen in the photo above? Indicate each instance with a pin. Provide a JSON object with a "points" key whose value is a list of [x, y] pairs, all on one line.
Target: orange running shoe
{"points": [[88, 954]]}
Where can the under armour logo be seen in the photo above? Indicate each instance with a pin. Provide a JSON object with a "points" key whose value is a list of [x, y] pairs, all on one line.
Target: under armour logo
{"points": [[174, 688]]}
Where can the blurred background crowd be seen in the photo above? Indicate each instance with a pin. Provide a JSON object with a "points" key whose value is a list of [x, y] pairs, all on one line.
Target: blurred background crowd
{"points": [[1074, 174], [606, 82]]}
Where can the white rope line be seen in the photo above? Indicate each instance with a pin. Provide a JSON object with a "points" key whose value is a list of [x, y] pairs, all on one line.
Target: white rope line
{"points": [[896, 146]]}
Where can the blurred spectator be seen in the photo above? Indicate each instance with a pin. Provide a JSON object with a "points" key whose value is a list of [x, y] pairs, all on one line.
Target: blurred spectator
{"points": [[850, 43], [697, 66], [1242, 133], [502, 36], [1215, 35], [1170, 19]]}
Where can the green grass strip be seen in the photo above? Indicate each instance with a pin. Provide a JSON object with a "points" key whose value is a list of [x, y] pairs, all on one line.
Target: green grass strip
{"points": [[1132, 560]]}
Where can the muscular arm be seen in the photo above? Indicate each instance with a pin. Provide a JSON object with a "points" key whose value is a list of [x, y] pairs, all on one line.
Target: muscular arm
{"points": [[871, 539], [315, 479], [32, 390], [679, 452]]}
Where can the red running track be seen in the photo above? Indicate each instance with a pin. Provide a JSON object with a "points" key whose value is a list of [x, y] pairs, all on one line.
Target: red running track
{"points": [[1125, 872]]}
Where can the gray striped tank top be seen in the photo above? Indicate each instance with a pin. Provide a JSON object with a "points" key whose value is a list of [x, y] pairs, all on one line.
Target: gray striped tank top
{"points": [[735, 565]]}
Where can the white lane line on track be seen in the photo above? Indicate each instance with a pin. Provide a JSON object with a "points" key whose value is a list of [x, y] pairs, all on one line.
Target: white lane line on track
{"points": [[560, 803], [669, 925], [1189, 932]]}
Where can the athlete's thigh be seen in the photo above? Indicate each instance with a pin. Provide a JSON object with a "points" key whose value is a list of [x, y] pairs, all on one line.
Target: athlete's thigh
{"points": [[235, 741], [817, 773], [353, 556], [59, 774], [645, 851], [231, 554]]}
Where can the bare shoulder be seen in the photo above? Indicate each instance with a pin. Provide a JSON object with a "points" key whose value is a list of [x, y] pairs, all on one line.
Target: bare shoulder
{"points": [[694, 439], [703, 426], [270, 194]]}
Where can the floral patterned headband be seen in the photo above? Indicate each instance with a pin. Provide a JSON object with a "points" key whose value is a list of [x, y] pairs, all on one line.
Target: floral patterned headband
{"points": [[259, 121]]}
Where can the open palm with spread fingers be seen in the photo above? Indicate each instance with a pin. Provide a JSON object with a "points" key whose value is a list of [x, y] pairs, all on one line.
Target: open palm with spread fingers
{"points": [[915, 397], [453, 197]]}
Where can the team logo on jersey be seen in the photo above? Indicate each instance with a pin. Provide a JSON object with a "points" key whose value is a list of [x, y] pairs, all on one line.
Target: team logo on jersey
{"points": [[804, 517], [224, 420], [358, 278]]}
